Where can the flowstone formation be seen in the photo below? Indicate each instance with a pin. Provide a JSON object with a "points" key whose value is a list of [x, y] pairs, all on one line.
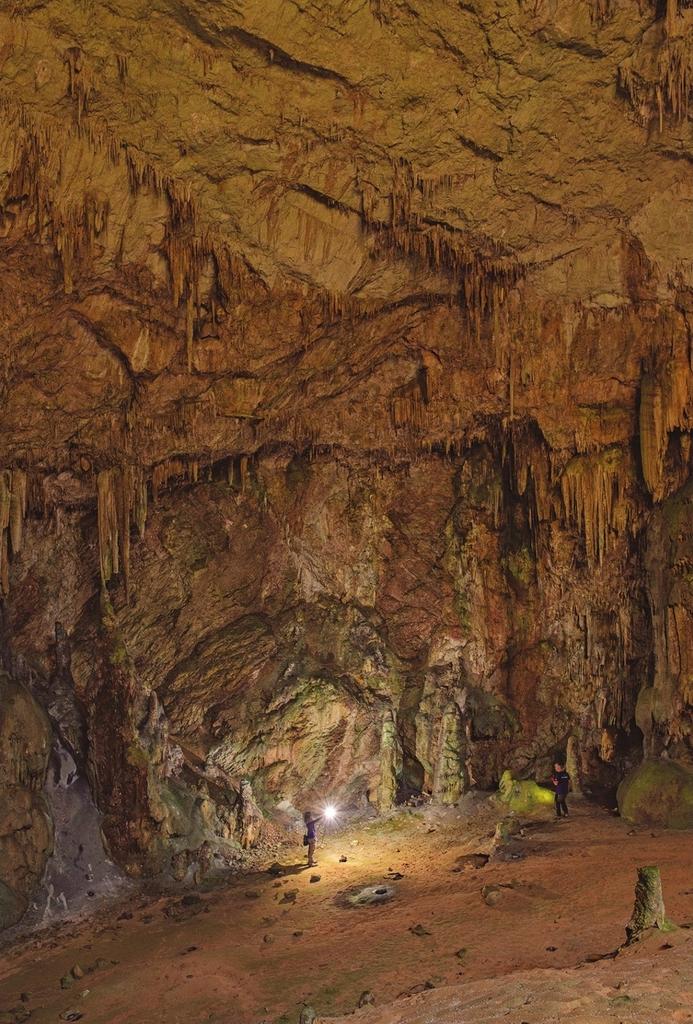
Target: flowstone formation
{"points": [[347, 400]]}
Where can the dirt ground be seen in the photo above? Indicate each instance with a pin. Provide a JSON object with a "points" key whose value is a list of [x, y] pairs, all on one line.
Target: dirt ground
{"points": [[260, 946]]}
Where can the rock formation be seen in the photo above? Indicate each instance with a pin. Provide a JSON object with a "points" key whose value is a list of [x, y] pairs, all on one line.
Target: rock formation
{"points": [[346, 399]]}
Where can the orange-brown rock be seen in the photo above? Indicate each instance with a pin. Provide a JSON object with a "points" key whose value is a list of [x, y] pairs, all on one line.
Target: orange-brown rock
{"points": [[347, 365]]}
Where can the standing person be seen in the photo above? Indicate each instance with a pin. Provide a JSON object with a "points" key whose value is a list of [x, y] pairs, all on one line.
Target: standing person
{"points": [[560, 780], [310, 838]]}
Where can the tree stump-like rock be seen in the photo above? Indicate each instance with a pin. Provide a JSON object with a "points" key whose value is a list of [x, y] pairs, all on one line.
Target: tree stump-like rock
{"points": [[648, 910]]}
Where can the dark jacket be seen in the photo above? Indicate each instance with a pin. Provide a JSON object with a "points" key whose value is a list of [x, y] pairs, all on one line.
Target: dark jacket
{"points": [[561, 783]]}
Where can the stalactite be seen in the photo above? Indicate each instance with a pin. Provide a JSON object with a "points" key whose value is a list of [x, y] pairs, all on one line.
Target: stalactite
{"points": [[408, 404], [13, 507], [107, 509], [80, 86], [17, 509], [671, 87], [594, 499], [181, 468], [601, 10], [666, 404], [672, 16], [482, 268], [5, 500], [140, 502]]}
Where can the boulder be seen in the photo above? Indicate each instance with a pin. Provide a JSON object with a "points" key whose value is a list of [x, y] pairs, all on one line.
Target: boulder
{"points": [[659, 793], [523, 796]]}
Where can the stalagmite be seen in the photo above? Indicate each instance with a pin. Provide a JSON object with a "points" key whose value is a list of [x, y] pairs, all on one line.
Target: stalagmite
{"points": [[648, 910], [448, 780], [390, 762]]}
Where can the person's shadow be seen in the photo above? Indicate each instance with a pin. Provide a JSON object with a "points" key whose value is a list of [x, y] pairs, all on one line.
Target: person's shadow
{"points": [[293, 869]]}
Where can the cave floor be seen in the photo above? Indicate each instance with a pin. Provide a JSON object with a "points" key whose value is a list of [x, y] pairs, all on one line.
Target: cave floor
{"points": [[243, 952]]}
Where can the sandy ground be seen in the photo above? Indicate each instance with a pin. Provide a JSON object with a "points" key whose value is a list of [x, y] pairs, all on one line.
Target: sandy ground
{"points": [[244, 953]]}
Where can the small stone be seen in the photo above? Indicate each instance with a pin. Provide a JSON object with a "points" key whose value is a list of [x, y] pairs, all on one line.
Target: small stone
{"points": [[366, 999], [77, 972], [394, 876], [252, 894], [551, 949], [275, 869], [25, 997], [418, 929], [307, 1015], [461, 953], [67, 981], [314, 878], [297, 935], [289, 896], [342, 859], [267, 939], [71, 1015]]}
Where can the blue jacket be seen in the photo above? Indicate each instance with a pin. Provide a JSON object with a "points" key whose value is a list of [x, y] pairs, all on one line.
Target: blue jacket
{"points": [[561, 783]]}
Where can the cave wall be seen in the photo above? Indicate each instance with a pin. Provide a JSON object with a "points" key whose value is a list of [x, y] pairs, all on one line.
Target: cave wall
{"points": [[346, 397]]}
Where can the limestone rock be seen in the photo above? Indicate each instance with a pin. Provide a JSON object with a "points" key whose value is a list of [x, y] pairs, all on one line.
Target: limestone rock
{"points": [[26, 834], [659, 793], [347, 412]]}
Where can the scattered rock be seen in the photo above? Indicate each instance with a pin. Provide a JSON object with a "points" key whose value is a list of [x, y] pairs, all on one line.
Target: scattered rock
{"points": [[307, 1015], [471, 862], [289, 896], [297, 935], [371, 896], [315, 878], [252, 894], [551, 949], [77, 972], [275, 869], [418, 929], [342, 859], [461, 953], [71, 1015], [267, 939], [394, 876], [366, 999], [67, 981], [415, 989]]}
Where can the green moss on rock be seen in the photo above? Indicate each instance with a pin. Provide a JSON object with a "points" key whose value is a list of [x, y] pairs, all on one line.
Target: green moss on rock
{"points": [[658, 793], [523, 796]]}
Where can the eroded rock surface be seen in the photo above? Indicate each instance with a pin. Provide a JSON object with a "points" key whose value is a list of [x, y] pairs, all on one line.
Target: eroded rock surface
{"points": [[26, 835]]}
